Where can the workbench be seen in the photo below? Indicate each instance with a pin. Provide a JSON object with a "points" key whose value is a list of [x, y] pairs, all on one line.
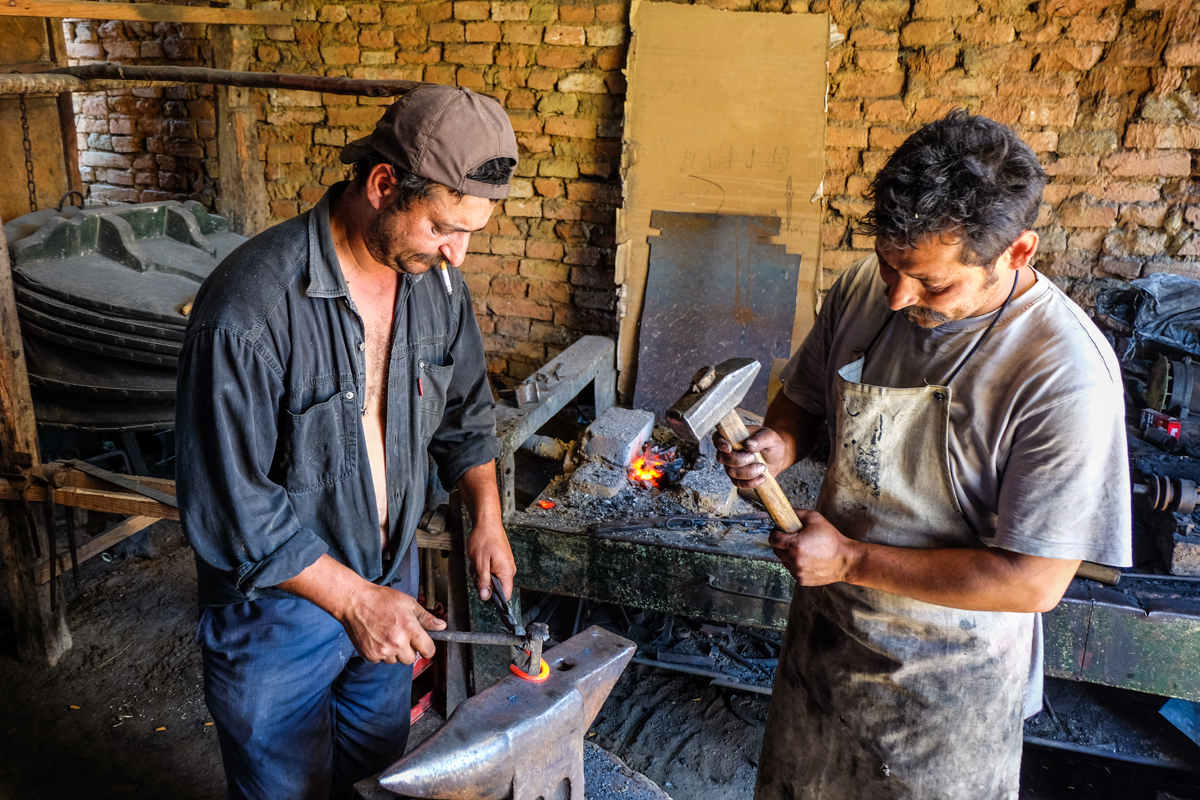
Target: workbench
{"points": [[1144, 636]]}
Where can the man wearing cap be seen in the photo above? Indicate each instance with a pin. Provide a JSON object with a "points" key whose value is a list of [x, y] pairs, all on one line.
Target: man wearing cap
{"points": [[321, 368]]}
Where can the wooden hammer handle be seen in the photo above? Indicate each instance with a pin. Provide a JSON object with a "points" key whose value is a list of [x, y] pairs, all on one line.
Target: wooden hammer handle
{"points": [[778, 506]]}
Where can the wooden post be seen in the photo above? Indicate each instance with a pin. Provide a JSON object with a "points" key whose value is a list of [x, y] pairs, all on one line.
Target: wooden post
{"points": [[41, 634], [242, 186]]}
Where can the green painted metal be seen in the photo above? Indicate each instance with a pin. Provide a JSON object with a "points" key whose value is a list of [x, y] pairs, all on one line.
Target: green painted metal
{"points": [[1129, 639], [1096, 635]]}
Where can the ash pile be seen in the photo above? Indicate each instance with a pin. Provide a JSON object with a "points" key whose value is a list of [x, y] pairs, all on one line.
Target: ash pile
{"points": [[625, 468]]}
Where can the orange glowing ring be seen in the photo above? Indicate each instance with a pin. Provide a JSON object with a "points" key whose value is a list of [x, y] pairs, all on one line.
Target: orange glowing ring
{"points": [[542, 675]]}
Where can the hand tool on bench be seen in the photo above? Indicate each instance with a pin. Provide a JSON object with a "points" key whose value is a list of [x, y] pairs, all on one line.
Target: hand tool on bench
{"points": [[519, 739], [681, 522], [711, 402]]}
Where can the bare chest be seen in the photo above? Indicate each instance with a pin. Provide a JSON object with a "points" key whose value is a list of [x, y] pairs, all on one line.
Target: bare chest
{"points": [[377, 315]]}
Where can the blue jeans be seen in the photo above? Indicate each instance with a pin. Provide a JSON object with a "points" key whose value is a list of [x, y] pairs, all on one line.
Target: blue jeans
{"points": [[299, 713]]}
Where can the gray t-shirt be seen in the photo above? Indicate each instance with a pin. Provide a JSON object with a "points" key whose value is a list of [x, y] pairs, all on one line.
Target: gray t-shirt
{"points": [[1037, 415]]}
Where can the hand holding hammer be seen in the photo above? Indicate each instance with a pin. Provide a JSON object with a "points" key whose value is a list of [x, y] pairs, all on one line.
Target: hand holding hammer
{"points": [[710, 402]]}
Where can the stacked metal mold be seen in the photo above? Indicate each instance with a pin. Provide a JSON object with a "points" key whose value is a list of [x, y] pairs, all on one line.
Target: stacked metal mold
{"points": [[103, 295]]}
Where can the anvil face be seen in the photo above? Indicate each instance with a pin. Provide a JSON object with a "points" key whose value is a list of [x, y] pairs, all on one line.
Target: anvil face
{"points": [[519, 739]]}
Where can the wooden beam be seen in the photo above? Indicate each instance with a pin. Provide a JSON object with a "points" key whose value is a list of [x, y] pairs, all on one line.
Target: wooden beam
{"points": [[94, 547], [42, 634], [141, 12], [241, 177], [95, 500]]}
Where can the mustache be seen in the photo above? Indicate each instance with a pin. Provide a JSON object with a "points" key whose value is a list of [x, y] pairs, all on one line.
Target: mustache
{"points": [[921, 314]]}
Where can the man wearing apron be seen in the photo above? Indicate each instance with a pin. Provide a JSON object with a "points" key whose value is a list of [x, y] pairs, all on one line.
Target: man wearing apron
{"points": [[978, 454]]}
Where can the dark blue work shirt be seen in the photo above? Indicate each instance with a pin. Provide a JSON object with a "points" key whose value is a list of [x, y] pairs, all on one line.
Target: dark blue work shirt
{"points": [[272, 466]]}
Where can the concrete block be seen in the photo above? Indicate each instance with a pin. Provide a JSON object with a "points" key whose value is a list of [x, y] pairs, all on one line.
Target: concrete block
{"points": [[618, 434], [597, 479], [707, 489]]}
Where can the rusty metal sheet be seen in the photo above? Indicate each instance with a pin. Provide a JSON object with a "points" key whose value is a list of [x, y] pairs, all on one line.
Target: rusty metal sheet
{"points": [[715, 290]]}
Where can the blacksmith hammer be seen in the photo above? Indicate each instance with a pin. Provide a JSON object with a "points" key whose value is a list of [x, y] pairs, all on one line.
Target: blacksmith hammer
{"points": [[519, 739], [710, 402]]}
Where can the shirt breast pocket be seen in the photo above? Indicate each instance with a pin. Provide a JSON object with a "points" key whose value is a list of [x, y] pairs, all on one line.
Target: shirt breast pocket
{"points": [[318, 447], [435, 386]]}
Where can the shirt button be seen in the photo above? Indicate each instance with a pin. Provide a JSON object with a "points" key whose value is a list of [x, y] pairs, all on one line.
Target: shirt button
{"points": [[362, 345], [349, 395]]}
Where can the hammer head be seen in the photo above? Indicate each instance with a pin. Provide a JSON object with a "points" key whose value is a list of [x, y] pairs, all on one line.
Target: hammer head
{"points": [[714, 392]]}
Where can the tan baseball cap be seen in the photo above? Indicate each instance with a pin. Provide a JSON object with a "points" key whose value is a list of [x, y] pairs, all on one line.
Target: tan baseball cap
{"points": [[442, 133]]}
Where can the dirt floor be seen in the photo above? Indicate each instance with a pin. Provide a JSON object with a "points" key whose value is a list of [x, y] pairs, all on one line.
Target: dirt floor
{"points": [[123, 714]]}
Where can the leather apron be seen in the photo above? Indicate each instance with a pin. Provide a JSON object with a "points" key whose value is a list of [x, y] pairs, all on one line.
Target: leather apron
{"points": [[878, 696]]}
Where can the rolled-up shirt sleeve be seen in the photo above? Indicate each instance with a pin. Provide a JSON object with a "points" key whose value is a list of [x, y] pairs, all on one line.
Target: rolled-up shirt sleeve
{"points": [[239, 521], [466, 436]]}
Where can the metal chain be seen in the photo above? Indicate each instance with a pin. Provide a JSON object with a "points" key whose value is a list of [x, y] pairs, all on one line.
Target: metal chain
{"points": [[28, 156]]}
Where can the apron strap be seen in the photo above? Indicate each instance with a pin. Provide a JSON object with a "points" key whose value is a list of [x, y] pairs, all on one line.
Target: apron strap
{"points": [[991, 325]]}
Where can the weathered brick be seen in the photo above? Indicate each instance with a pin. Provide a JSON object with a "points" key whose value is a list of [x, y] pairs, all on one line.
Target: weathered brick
{"points": [[1183, 54], [583, 83], [577, 12], [505, 11], [870, 84], [944, 9], [1047, 112], [1080, 142], [509, 286], [565, 35], [1064, 56], [514, 307], [522, 33], [1074, 165], [561, 58], [887, 138], [550, 251], [986, 32], [1094, 29], [377, 40], [591, 192], [544, 270], [1041, 141], [469, 53], [876, 60], [607, 36], [483, 32], [571, 126], [842, 136], [339, 54], [447, 32], [435, 12], [870, 37], [472, 10], [1083, 213], [523, 208], [926, 33], [1160, 136], [1159, 164]]}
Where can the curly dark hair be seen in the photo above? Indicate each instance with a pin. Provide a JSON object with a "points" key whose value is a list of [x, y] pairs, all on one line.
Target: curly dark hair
{"points": [[412, 187], [966, 177]]}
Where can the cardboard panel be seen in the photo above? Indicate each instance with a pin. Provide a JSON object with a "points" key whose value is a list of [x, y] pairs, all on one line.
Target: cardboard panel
{"points": [[725, 114]]}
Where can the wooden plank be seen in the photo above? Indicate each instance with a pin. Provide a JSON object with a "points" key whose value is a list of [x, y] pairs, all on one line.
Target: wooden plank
{"points": [[241, 177], [42, 634], [95, 546], [72, 477], [97, 500], [142, 12], [66, 110]]}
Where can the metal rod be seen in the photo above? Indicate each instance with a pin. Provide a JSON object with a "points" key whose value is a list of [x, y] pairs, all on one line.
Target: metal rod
{"points": [[1096, 751], [475, 637], [248, 80], [720, 679], [1152, 577]]}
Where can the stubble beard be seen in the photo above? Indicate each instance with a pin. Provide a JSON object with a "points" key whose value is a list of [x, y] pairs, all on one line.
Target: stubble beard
{"points": [[928, 318], [387, 246]]}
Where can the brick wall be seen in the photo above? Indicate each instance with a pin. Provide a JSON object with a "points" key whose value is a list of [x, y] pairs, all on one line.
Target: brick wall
{"points": [[140, 145], [1106, 91]]}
